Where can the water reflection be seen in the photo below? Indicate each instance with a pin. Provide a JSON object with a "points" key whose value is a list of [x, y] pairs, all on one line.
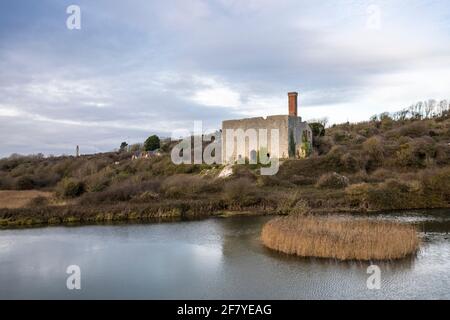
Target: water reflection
{"points": [[214, 258]]}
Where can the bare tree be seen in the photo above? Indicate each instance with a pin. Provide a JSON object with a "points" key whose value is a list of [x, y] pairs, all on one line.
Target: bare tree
{"points": [[323, 121], [429, 107]]}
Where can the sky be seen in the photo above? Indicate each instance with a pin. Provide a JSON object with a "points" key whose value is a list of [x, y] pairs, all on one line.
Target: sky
{"points": [[142, 67]]}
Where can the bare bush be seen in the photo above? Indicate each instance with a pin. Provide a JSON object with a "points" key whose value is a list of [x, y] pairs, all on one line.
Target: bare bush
{"points": [[70, 188], [332, 181], [238, 190], [374, 150], [183, 185]]}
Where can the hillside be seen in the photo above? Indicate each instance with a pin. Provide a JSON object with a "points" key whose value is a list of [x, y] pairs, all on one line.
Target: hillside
{"points": [[383, 164]]}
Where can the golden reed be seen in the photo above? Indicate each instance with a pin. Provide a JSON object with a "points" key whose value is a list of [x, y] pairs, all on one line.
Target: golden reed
{"points": [[341, 239]]}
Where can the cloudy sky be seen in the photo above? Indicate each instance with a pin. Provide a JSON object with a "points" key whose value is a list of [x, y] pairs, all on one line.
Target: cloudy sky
{"points": [[140, 67]]}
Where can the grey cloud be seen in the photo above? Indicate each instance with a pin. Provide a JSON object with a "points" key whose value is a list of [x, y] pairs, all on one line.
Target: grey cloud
{"points": [[132, 68]]}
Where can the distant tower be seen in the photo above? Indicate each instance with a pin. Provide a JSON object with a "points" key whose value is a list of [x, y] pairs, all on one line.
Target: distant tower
{"points": [[78, 151]]}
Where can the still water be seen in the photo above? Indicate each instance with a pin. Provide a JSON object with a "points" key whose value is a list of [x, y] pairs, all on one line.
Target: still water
{"points": [[219, 258]]}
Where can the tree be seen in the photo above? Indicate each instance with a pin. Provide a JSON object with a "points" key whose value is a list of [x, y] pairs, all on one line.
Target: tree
{"points": [[317, 128], [123, 146], [429, 108], [152, 143], [323, 121]]}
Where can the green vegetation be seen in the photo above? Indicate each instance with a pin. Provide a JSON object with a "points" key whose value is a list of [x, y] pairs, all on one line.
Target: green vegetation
{"points": [[384, 164], [318, 129], [152, 143], [70, 188], [123, 146]]}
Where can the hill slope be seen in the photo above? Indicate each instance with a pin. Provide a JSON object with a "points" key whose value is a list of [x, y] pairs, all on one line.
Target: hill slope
{"points": [[376, 165]]}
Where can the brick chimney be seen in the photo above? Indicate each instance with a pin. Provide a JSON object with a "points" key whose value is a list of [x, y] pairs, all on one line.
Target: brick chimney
{"points": [[293, 103]]}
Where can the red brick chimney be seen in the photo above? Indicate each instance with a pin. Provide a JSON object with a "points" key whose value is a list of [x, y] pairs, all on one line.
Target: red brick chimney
{"points": [[293, 103]]}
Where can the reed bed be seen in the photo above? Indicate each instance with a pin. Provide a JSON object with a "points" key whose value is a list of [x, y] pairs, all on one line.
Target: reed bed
{"points": [[341, 239]]}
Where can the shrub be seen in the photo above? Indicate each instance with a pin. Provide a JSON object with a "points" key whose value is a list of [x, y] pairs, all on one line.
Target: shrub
{"points": [[357, 195], [334, 157], [269, 181], [301, 207], [443, 154], [368, 131], [414, 129], [243, 171], [405, 156], [301, 180], [381, 175], [359, 139], [390, 195], [238, 190], [416, 153], [39, 201], [70, 188], [6, 182], [24, 183], [386, 123], [183, 185], [97, 184], [437, 183], [273, 181], [45, 178], [332, 181], [124, 191], [350, 163], [396, 194], [323, 144], [340, 136], [373, 148], [358, 177], [147, 196], [292, 204]]}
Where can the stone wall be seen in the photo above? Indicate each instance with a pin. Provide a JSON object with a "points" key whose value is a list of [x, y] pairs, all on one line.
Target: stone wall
{"points": [[300, 130], [283, 123]]}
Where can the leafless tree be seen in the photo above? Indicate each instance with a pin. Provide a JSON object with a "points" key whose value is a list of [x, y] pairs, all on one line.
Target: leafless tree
{"points": [[429, 107]]}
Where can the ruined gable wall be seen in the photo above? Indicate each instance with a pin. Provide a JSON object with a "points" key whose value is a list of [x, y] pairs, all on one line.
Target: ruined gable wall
{"points": [[299, 129]]}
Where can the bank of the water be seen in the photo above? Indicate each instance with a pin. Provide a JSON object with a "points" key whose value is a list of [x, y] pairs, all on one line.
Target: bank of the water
{"points": [[126, 213], [71, 216]]}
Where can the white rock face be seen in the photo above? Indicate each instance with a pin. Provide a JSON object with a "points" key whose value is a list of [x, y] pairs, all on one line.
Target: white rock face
{"points": [[226, 172]]}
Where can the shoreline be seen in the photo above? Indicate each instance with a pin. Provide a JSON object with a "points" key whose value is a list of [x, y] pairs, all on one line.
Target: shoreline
{"points": [[119, 214]]}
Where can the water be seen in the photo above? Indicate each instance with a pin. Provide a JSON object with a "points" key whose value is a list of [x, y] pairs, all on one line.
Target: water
{"points": [[209, 259]]}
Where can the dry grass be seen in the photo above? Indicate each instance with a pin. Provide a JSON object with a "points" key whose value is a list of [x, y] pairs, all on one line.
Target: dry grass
{"points": [[341, 239], [20, 199]]}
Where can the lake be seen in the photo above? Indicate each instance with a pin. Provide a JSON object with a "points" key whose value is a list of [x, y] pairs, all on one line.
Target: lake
{"points": [[216, 258]]}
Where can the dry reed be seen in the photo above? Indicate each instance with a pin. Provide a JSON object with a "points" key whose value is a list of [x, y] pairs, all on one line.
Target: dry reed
{"points": [[341, 239]]}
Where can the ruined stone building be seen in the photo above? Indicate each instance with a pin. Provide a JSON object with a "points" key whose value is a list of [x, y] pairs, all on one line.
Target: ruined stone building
{"points": [[262, 135]]}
